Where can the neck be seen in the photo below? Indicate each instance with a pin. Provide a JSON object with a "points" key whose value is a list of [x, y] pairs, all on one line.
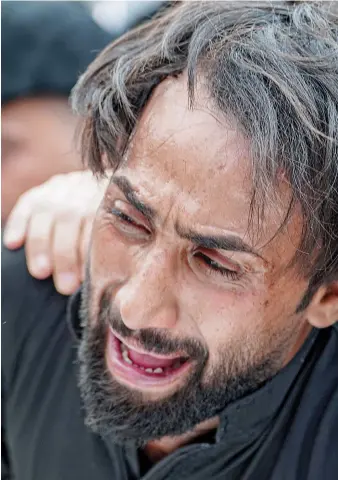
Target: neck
{"points": [[300, 340], [158, 449]]}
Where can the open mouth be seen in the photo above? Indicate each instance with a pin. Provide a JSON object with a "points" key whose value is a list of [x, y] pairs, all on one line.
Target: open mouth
{"points": [[137, 367]]}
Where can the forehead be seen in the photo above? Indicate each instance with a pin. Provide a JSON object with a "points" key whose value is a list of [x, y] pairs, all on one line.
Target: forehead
{"points": [[192, 156], [193, 166], [196, 134]]}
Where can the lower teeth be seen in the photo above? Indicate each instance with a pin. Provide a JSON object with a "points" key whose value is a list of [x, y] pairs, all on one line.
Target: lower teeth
{"points": [[157, 370]]}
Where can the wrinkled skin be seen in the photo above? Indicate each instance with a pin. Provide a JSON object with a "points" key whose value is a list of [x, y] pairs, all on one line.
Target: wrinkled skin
{"points": [[191, 170]]}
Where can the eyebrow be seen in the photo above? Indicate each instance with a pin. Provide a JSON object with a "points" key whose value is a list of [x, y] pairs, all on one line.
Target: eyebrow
{"points": [[126, 188], [229, 242]]}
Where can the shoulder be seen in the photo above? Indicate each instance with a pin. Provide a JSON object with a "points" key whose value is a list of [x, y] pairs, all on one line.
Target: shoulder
{"points": [[22, 295], [320, 410], [30, 307], [15, 275], [324, 435]]}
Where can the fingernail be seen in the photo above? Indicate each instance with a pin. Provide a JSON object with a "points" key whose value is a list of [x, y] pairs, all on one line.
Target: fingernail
{"points": [[41, 263], [66, 282]]}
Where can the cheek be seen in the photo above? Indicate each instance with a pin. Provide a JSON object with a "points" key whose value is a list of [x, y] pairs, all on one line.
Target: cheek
{"points": [[231, 319], [108, 261], [247, 323]]}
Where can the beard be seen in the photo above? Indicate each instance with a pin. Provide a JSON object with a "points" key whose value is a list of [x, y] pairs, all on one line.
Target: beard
{"points": [[122, 413]]}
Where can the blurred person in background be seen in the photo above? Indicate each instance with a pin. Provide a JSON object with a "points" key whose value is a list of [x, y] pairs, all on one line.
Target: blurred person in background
{"points": [[206, 324], [45, 47]]}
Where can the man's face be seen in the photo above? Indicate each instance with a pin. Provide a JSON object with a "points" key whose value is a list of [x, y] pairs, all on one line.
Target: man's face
{"points": [[185, 308], [37, 141]]}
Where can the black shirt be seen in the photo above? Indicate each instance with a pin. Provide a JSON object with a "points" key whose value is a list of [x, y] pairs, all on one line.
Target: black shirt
{"points": [[286, 430]]}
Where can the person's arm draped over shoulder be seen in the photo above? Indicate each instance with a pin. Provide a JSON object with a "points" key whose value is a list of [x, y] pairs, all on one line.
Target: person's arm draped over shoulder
{"points": [[54, 220]]}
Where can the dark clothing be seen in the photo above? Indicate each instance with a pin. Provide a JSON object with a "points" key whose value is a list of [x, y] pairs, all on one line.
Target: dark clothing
{"points": [[46, 46], [286, 430]]}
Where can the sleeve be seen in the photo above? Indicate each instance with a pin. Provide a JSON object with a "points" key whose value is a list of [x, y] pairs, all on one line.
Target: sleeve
{"points": [[14, 283], [5, 462], [23, 298], [13, 277]]}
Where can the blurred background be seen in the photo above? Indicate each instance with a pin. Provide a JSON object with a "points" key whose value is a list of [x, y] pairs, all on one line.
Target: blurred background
{"points": [[46, 45], [119, 16]]}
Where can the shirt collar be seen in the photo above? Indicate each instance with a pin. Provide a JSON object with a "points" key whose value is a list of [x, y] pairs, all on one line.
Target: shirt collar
{"points": [[249, 415]]}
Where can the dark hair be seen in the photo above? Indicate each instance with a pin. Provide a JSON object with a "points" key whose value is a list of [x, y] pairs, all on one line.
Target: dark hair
{"points": [[271, 67]]}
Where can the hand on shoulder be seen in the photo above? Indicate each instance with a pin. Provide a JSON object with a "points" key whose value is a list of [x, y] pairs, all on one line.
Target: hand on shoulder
{"points": [[54, 222]]}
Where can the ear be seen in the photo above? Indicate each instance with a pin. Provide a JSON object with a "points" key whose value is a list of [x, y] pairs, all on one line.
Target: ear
{"points": [[322, 311]]}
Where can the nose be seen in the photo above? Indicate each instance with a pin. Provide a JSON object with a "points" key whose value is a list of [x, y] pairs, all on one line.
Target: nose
{"points": [[146, 299]]}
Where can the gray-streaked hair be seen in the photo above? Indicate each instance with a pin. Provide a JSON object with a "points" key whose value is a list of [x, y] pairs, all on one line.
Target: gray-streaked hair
{"points": [[272, 67]]}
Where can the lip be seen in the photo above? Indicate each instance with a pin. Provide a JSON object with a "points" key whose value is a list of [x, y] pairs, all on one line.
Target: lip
{"points": [[137, 349], [133, 376]]}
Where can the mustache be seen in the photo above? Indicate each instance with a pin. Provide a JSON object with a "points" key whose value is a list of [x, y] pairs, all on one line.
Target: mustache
{"points": [[152, 340]]}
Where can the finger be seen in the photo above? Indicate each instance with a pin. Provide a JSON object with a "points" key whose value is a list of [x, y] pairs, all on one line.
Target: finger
{"points": [[65, 248], [38, 245], [17, 222], [84, 245]]}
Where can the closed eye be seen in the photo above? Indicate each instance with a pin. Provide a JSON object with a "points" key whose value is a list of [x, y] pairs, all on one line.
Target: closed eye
{"points": [[214, 267], [123, 216], [129, 224]]}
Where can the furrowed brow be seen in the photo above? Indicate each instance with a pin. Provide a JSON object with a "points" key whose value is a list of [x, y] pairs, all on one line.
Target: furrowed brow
{"points": [[231, 243], [127, 189]]}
